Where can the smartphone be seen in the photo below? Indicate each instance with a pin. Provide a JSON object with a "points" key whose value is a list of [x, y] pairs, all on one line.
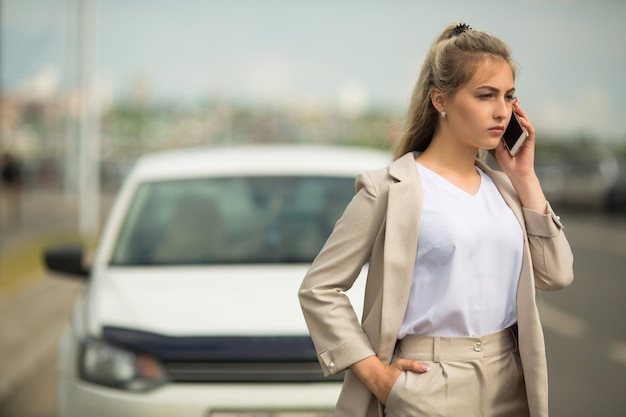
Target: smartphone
{"points": [[514, 135]]}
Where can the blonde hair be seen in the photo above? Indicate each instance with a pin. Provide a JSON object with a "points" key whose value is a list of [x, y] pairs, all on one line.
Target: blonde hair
{"points": [[451, 62]]}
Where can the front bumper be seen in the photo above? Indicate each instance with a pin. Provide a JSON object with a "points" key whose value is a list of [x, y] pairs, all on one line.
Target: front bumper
{"points": [[78, 399]]}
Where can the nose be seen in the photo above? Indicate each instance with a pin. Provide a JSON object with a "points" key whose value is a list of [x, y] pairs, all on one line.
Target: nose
{"points": [[503, 109]]}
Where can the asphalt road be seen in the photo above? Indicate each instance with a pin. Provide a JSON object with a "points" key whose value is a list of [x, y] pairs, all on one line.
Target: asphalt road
{"points": [[36, 396], [585, 332], [585, 325]]}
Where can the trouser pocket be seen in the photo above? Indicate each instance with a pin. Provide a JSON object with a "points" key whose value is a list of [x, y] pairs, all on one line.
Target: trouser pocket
{"points": [[418, 394]]}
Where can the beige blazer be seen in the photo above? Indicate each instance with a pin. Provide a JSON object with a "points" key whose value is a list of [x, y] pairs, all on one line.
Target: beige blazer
{"points": [[381, 225]]}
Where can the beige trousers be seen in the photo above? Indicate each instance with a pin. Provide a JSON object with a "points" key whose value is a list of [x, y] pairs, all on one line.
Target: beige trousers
{"points": [[469, 376]]}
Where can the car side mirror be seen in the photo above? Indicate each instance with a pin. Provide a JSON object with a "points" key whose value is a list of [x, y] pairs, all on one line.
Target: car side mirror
{"points": [[66, 259]]}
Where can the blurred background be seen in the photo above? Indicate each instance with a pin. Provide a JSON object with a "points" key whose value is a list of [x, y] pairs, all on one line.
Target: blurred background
{"points": [[87, 86]]}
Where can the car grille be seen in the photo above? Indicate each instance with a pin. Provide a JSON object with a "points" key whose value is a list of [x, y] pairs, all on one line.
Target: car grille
{"points": [[246, 372], [226, 358]]}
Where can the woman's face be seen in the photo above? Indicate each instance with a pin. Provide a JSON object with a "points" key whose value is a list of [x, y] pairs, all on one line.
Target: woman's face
{"points": [[479, 112]]}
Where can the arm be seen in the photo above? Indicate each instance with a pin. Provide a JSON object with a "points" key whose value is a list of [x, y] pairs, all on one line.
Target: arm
{"points": [[334, 327], [551, 254], [330, 317], [553, 262]]}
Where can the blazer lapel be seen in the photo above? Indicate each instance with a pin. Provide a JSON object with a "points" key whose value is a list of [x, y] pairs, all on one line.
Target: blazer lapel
{"points": [[404, 210], [506, 190]]}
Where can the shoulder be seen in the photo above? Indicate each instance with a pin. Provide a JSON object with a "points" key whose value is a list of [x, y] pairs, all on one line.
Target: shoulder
{"points": [[401, 170]]}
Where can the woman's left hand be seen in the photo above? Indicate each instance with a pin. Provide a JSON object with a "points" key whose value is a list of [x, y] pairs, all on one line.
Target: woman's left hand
{"points": [[521, 168], [523, 164]]}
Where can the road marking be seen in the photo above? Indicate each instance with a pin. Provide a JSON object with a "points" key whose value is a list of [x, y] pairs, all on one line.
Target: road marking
{"points": [[617, 352], [561, 322], [573, 327]]}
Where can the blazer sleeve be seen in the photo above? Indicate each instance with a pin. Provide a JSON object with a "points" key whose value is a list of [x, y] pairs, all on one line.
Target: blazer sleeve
{"points": [[333, 324], [553, 262]]}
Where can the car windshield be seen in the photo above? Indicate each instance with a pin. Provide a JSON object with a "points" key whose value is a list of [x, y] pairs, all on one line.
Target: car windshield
{"points": [[273, 219]]}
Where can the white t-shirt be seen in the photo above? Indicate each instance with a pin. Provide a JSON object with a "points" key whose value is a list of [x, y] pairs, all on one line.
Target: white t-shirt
{"points": [[468, 263]]}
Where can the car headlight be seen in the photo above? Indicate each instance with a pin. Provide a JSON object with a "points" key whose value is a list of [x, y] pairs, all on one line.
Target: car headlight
{"points": [[104, 364]]}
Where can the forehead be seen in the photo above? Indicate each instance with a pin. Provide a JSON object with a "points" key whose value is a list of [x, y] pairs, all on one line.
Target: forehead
{"points": [[493, 72]]}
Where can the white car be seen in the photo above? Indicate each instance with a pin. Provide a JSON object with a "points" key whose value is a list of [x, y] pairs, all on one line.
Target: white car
{"points": [[191, 307]]}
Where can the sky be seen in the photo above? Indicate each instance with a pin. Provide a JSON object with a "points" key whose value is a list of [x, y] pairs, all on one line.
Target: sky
{"points": [[349, 54]]}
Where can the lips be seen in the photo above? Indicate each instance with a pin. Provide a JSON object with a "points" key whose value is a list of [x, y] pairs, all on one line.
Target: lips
{"points": [[497, 130]]}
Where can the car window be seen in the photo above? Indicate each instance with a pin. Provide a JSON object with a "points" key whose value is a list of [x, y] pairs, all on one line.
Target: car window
{"points": [[273, 219]]}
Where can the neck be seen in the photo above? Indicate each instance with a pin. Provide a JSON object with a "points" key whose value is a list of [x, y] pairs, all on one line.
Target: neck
{"points": [[449, 156]]}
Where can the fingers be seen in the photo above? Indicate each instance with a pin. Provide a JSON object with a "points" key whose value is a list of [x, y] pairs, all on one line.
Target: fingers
{"points": [[524, 118], [411, 365]]}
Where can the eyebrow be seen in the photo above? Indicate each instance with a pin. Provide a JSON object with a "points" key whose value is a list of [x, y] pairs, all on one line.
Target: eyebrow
{"points": [[494, 89]]}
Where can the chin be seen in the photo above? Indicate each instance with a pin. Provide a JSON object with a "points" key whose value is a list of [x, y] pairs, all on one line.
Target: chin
{"points": [[493, 144]]}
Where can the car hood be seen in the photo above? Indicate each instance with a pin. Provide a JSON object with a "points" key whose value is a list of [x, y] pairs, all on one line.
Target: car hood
{"points": [[189, 301]]}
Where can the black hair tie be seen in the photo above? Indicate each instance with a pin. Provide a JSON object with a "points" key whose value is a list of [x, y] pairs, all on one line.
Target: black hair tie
{"points": [[460, 28]]}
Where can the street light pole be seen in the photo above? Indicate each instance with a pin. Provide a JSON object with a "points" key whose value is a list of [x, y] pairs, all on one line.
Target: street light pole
{"points": [[89, 126], [1, 138]]}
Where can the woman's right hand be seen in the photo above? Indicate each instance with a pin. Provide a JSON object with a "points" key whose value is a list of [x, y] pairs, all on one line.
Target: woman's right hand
{"points": [[379, 378]]}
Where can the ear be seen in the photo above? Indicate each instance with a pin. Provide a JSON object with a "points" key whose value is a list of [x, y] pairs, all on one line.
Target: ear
{"points": [[438, 99]]}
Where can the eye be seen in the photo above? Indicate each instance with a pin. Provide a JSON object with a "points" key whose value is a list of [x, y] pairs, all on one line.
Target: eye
{"points": [[511, 98], [486, 96]]}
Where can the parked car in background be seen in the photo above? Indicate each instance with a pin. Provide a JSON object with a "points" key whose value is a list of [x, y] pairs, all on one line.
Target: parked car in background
{"points": [[190, 307], [577, 177]]}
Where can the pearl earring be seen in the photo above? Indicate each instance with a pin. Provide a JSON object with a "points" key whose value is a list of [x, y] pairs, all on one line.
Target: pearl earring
{"points": [[443, 114]]}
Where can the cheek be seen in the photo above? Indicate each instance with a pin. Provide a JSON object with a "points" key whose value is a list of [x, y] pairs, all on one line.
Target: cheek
{"points": [[470, 118]]}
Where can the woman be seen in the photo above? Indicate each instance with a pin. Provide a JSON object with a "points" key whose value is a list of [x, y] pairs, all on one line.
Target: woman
{"points": [[456, 249]]}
